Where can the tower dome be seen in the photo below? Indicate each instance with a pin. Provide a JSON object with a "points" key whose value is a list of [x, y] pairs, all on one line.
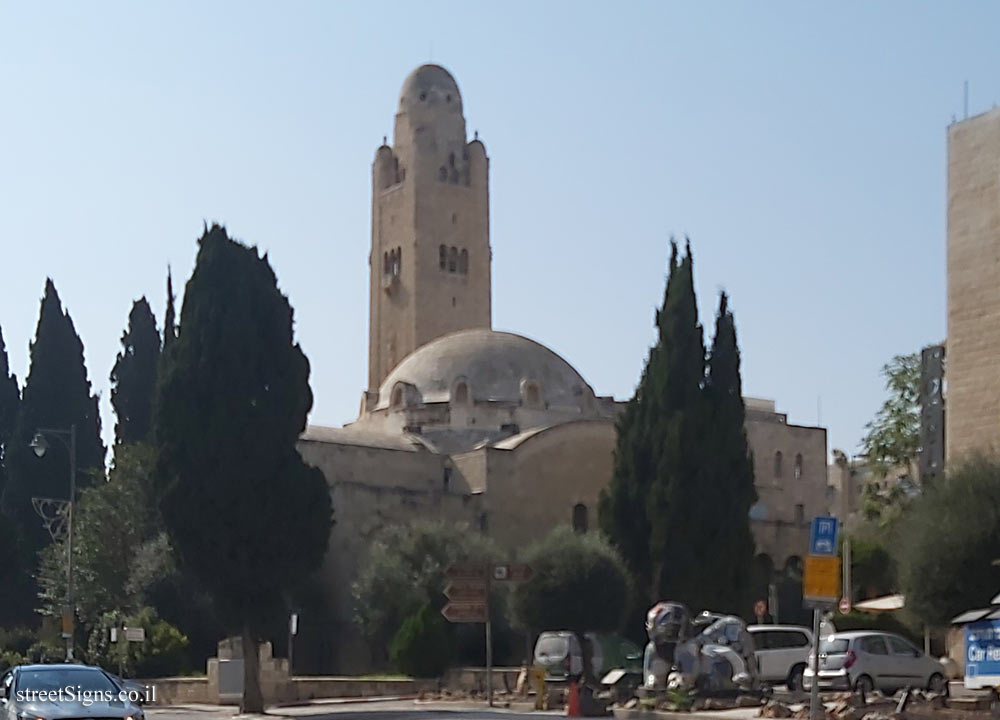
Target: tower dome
{"points": [[430, 86]]}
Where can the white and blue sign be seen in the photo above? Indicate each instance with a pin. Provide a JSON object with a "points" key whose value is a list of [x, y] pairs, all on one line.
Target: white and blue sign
{"points": [[823, 538], [982, 654]]}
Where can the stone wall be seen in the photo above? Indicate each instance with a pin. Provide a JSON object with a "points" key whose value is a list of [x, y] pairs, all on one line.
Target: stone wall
{"points": [[973, 372]]}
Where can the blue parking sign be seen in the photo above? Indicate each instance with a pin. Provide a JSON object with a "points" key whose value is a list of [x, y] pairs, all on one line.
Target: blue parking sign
{"points": [[823, 539]]}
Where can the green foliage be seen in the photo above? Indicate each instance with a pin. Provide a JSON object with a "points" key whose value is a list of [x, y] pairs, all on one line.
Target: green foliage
{"points": [[403, 570], [681, 698], [244, 513], [10, 399], [579, 583], [423, 646], [113, 520], [949, 543], [682, 461], [161, 654], [133, 378], [873, 569], [169, 319], [892, 438], [56, 395]]}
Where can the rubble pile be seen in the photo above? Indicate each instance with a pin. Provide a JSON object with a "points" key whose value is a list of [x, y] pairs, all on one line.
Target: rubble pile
{"points": [[909, 705]]}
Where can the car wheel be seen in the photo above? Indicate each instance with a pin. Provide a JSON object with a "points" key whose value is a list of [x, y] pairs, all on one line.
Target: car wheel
{"points": [[937, 683], [794, 681], [864, 684]]}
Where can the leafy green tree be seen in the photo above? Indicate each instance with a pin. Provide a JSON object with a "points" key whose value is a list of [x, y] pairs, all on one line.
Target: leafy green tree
{"points": [[133, 378], [103, 550], [403, 571], [892, 438], [727, 541], [949, 543], [56, 395], [422, 647], [579, 583], [654, 503], [246, 516], [161, 654]]}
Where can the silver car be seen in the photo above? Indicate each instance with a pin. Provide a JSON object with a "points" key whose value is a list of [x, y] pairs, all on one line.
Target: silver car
{"points": [[55, 692], [866, 660]]}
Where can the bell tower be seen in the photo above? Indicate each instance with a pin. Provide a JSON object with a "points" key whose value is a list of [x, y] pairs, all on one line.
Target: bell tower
{"points": [[430, 255]]}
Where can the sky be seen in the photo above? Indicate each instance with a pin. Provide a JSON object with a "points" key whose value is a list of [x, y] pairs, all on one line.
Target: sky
{"points": [[800, 146]]}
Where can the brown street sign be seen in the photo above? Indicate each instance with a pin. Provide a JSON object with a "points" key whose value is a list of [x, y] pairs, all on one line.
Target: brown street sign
{"points": [[467, 571], [466, 591], [465, 612], [513, 572]]}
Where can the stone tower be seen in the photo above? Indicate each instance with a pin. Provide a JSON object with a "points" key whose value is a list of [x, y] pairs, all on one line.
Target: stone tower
{"points": [[972, 403], [430, 256]]}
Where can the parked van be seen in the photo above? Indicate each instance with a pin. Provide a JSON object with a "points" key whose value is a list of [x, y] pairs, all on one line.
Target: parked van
{"points": [[558, 651], [782, 653]]}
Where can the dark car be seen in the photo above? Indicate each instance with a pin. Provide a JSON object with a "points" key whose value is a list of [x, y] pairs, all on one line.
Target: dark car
{"points": [[54, 692]]}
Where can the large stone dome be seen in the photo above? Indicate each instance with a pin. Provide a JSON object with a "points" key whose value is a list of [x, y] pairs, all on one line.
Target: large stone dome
{"points": [[494, 366]]}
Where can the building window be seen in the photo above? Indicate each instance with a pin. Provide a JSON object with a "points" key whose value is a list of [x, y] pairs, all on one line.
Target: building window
{"points": [[463, 262], [385, 263], [798, 466], [396, 399], [580, 518], [451, 159], [461, 394], [777, 464], [484, 525], [453, 259], [442, 257], [443, 173], [800, 514], [446, 479]]}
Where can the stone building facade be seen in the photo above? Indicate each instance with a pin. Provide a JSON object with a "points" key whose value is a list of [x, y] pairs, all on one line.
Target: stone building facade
{"points": [[973, 361], [468, 424]]}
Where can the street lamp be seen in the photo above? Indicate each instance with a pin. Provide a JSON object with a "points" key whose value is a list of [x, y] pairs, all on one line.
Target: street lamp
{"points": [[40, 446]]}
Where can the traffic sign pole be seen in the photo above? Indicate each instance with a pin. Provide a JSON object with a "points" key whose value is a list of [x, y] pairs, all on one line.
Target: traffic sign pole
{"points": [[489, 646], [814, 711]]}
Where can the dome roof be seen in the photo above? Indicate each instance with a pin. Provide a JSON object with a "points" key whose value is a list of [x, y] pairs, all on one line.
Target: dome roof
{"points": [[430, 86], [493, 365]]}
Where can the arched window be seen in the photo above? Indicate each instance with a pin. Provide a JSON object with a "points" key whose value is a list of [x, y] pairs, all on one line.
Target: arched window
{"points": [[385, 263], [399, 261], [396, 399], [442, 257], [531, 396], [463, 262], [461, 394], [446, 479], [580, 518], [484, 525], [451, 159], [453, 259], [798, 466], [777, 464], [800, 514]]}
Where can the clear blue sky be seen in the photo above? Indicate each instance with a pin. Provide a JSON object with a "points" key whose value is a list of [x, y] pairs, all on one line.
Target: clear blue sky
{"points": [[800, 145]]}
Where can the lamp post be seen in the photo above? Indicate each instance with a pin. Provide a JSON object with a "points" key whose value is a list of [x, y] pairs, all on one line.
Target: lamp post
{"points": [[40, 446]]}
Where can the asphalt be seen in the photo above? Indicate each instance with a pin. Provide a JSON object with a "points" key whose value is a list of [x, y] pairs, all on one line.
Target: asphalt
{"points": [[382, 709]]}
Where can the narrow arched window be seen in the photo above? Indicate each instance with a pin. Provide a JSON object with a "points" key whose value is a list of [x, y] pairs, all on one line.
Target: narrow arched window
{"points": [[777, 464], [484, 525], [798, 466], [399, 260], [453, 259], [446, 479], [461, 393], [396, 399], [442, 257], [463, 262], [580, 518], [385, 263]]}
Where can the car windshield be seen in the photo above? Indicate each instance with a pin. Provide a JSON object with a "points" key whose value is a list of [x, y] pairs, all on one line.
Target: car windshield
{"points": [[833, 646], [54, 679], [552, 645]]}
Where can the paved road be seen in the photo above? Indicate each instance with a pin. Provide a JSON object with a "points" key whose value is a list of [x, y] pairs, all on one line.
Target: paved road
{"points": [[387, 710]]}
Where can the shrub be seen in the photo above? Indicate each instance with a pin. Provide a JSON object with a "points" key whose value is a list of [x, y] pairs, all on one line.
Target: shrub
{"points": [[423, 645]]}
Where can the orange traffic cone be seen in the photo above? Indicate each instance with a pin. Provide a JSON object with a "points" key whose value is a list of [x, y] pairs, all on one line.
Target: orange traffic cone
{"points": [[573, 701]]}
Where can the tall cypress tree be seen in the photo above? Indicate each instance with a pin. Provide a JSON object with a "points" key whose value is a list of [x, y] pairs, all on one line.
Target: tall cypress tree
{"points": [[169, 320], [10, 398], [247, 516], [647, 508], [731, 477], [133, 378], [56, 395]]}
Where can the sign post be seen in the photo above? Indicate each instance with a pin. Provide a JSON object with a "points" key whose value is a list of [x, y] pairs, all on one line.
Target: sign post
{"points": [[820, 590]]}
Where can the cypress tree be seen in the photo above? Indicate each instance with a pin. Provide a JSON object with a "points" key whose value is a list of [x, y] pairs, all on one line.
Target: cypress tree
{"points": [[169, 321], [247, 517], [133, 378], [10, 398], [647, 508], [56, 395], [731, 478]]}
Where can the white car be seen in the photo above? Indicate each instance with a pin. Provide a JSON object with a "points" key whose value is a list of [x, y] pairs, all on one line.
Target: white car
{"points": [[782, 653], [866, 660]]}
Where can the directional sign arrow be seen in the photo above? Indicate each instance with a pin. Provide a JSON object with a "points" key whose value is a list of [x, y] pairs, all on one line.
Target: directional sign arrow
{"points": [[465, 612], [466, 591]]}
